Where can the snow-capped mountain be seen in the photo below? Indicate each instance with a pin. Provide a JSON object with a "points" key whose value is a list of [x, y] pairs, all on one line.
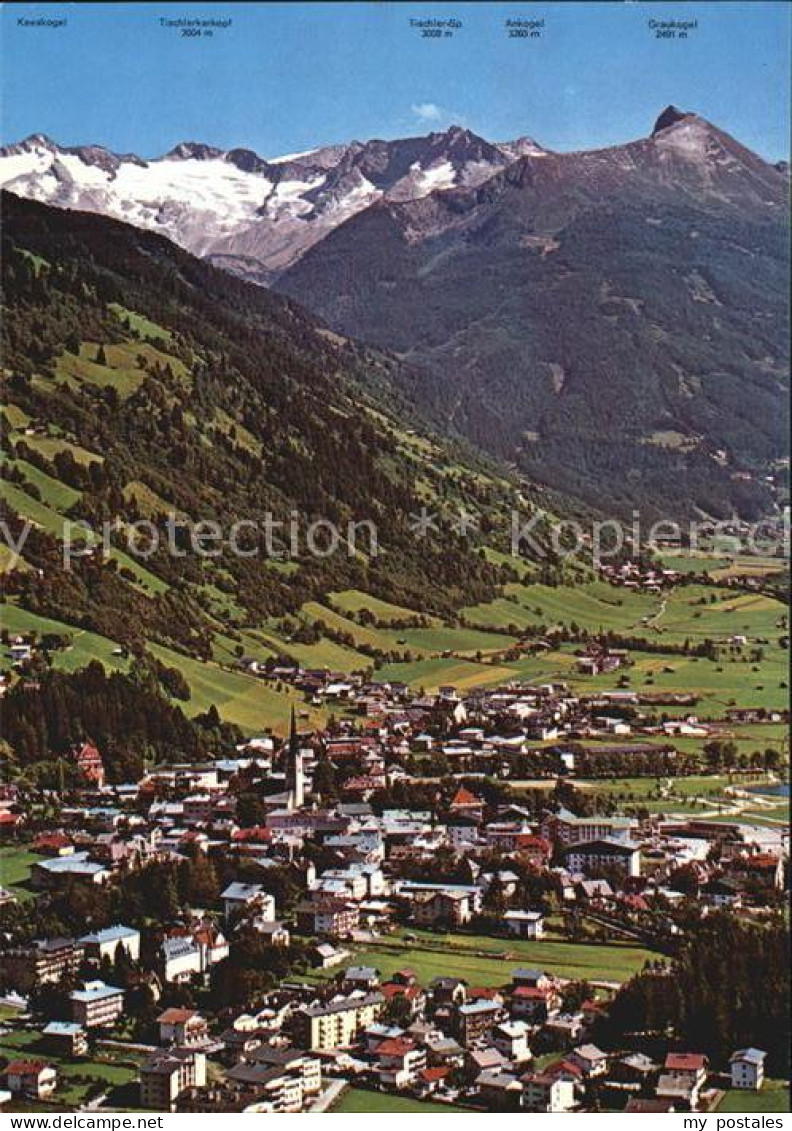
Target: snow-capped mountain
{"points": [[251, 214]]}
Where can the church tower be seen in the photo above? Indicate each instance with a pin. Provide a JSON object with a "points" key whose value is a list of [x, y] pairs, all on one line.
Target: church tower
{"points": [[295, 777]]}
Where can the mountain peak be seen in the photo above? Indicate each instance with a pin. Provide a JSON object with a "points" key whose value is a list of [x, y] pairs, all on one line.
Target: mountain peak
{"points": [[669, 117], [522, 147], [194, 150], [34, 141]]}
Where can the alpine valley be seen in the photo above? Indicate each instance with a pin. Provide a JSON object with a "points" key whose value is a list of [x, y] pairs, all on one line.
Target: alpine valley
{"points": [[324, 788], [612, 323], [421, 334]]}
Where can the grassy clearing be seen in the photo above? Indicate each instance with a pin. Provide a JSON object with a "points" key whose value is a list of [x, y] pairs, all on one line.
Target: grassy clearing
{"points": [[37, 261], [324, 654], [85, 646], [697, 612], [381, 639], [113, 1070], [430, 674], [749, 565], [240, 434], [15, 417], [50, 446], [83, 369], [9, 560], [36, 512], [50, 520], [694, 563], [148, 502], [53, 492], [124, 368], [15, 864], [594, 605], [353, 601], [701, 794], [484, 961], [242, 699], [359, 1101], [461, 641], [773, 1096], [143, 577], [140, 324], [524, 569]]}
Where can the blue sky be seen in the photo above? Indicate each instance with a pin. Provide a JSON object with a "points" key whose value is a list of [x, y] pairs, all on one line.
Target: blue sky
{"points": [[287, 77]]}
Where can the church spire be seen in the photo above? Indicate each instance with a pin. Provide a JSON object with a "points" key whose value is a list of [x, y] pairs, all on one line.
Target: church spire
{"points": [[295, 778]]}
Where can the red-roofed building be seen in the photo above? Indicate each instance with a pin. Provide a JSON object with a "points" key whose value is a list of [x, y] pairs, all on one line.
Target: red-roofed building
{"points": [[565, 1070], [257, 834], [535, 849], [182, 1027], [33, 1078], [399, 1062], [362, 786], [54, 844], [404, 977], [484, 993], [430, 1079], [89, 762], [466, 803], [412, 994], [765, 867], [9, 821], [691, 1065]]}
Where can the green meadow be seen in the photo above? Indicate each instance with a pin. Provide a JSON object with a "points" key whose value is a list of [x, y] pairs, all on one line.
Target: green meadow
{"points": [[484, 961]]}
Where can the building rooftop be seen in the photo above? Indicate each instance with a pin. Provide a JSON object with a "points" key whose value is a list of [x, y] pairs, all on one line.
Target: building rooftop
{"points": [[95, 991]]}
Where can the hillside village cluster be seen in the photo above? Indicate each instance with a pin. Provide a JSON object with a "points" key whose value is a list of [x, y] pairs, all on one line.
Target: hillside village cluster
{"points": [[526, 1044]]}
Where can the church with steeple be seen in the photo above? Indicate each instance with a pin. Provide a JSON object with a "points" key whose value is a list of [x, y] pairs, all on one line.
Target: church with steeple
{"points": [[294, 772]]}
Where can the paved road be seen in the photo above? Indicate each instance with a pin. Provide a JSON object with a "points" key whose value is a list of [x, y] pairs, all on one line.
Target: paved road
{"points": [[328, 1097]]}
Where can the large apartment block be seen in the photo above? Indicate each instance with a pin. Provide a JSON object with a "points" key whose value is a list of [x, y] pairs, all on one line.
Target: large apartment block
{"points": [[337, 1024]]}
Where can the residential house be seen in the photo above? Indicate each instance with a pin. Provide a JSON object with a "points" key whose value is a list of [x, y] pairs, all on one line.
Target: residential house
{"points": [[167, 1074], [88, 761], [65, 1038], [181, 959], [511, 1039], [747, 1069], [97, 1005], [241, 897], [592, 1061], [594, 855], [48, 875], [45, 960], [31, 1079], [476, 1019], [500, 1090], [399, 1062], [546, 1093], [105, 944], [525, 924], [567, 828], [336, 1024], [182, 1027]]}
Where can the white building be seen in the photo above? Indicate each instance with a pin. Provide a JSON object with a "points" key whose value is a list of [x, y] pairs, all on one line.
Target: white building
{"points": [[594, 855], [241, 897], [525, 924], [511, 1039], [181, 959], [747, 1069], [104, 944], [548, 1093]]}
